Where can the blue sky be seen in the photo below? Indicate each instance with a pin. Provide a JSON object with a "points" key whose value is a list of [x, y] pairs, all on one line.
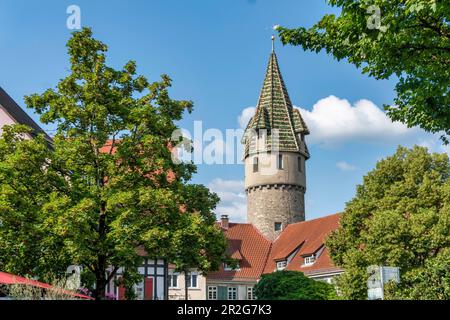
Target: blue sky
{"points": [[216, 52]]}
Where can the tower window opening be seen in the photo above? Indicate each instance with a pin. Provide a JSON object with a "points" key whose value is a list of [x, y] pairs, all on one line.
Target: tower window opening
{"points": [[280, 162], [261, 139], [278, 226], [255, 164], [299, 164]]}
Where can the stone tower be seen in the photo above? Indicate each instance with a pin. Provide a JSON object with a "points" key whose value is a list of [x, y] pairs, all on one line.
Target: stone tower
{"points": [[274, 155]]}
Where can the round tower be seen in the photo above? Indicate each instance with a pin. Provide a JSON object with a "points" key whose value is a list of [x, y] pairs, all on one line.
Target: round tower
{"points": [[274, 157]]}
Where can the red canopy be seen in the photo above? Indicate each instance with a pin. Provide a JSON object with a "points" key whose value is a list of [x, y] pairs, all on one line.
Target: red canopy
{"points": [[7, 278]]}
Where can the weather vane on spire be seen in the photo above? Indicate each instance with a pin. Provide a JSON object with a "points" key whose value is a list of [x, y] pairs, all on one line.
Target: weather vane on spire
{"points": [[273, 43]]}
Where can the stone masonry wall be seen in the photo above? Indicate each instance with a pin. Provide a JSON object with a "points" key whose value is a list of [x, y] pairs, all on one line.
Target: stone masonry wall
{"points": [[275, 203]]}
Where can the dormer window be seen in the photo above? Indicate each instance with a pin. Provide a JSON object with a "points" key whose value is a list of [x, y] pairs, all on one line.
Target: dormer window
{"points": [[231, 266], [281, 265], [309, 260]]}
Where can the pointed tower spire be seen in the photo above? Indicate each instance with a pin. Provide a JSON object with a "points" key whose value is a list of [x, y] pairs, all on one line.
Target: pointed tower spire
{"points": [[275, 111], [275, 153]]}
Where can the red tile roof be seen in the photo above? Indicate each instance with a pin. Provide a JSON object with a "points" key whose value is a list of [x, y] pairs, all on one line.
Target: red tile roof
{"points": [[257, 255], [250, 247], [108, 147], [302, 239]]}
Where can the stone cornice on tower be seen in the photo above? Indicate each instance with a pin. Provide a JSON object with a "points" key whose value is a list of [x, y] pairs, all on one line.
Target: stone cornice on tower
{"points": [[274, 111], [285, 186]]}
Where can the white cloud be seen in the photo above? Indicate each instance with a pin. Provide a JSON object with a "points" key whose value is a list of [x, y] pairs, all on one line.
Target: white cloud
{"points": [[245, 116], [334, 120], [434, 144], [345, 166], [233, 200]]}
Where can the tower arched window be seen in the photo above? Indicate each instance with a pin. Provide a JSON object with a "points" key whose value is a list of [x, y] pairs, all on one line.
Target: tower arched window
{"points": [[280, 162]]}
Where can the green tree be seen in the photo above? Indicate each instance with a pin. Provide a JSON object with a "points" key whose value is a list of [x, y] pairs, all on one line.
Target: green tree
{"points": [[26, 247], [292, 285], [193, 239], [108, 184], [400, 217], [406, 38], [430, 282]]}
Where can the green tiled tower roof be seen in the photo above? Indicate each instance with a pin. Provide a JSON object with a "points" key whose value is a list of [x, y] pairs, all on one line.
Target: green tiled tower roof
{"points": [[274, 111]]}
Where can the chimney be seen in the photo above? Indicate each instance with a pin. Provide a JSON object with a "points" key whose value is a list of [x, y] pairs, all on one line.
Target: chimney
{"points": [[224, 221]]}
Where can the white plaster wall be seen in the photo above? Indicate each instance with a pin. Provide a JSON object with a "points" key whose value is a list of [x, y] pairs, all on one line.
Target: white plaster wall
{"points": [[268, 173], [5, 119], [242, 292]]}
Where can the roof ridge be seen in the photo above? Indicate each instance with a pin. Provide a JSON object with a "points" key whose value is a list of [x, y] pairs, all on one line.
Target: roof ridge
{"points": [[239, 223], [306, 221], [260, 233], [269, 253]]}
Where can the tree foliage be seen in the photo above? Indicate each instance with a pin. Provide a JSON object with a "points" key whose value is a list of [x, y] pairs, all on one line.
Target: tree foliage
{"points": [[292, 285], [400, 217], [108, 184], [406, 38]]}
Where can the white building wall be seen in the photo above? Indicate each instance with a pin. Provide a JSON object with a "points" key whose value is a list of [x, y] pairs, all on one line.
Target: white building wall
{"points": [[5, 119], [242, 292], [198, 293], [242, 287]]}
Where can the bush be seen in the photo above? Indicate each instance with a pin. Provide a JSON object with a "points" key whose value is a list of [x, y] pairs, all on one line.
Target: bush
{"points": [[292, 285]]}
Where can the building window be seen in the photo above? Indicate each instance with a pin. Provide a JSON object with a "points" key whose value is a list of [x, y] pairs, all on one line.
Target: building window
{"points": [[309, 260], [277, 226], [192, 280], [173, 280], [299, 164], [261, 141], [280, 162], [255, 164], [250, 293], [281, 265], [232, 293], [212, 293]]}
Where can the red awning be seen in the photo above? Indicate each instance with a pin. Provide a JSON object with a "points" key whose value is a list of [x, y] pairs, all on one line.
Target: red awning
{"points": [[7, 278]]}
